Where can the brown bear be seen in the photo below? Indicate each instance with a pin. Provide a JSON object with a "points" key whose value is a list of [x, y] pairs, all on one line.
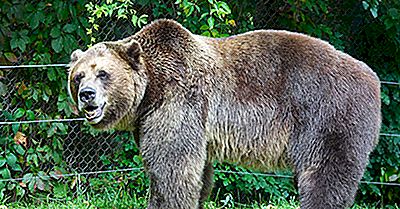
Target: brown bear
{"points": [[264, 99]]}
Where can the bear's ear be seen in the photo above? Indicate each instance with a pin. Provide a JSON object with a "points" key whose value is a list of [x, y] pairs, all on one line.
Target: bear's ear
{"points": [[76, 55], [130, 51]]}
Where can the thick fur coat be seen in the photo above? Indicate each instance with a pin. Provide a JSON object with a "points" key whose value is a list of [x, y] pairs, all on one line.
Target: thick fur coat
{"points": [[264, 99]]}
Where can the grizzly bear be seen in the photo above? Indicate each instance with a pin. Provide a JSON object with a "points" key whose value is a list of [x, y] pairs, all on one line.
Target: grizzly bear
{"points": [[264, 99]]}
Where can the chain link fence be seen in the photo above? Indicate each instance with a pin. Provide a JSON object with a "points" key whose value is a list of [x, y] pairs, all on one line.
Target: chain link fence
{"points": [[81, 150]]}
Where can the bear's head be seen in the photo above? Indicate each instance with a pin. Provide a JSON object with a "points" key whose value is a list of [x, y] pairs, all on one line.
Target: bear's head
{"points": [[107, 82]]}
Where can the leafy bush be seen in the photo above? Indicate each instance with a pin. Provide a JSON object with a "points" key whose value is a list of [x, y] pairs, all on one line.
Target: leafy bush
{"points": [[35, 33]]}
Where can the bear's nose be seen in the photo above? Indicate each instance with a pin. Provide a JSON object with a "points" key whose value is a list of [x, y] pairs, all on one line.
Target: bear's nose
{"points": [[87, 94]]}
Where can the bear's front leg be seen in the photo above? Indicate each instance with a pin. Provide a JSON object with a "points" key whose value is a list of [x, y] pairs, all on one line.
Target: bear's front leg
{"points": [[174, 154]]}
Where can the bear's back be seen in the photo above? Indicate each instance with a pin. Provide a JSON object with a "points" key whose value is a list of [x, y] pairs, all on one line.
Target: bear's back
{"points": [[268, 82], [285, 65]]}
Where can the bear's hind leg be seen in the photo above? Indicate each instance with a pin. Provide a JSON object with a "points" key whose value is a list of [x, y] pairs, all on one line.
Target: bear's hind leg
{"points": [[320, 190], [329, 180], [208, 183]]}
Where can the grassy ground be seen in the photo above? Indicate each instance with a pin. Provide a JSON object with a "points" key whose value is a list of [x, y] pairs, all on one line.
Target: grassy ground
{"points": [[114, 200], [81, 203], [94, 203]]}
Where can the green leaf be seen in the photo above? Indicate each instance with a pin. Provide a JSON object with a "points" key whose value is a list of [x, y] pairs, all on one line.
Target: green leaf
{"points": [[385, 97], [14, 42], [19, 113], [8, 115], [24, 35], [365, 5], [47, 89], [11, 185], [57, 157], [15, 127], [51, 131], [3, 89], [2, 161], [375, 189], [27, 177], [204, 27], [389, 23], [70, 43], [134, 20], [191, 9], [51, 74], [11, 159], [214, 33], [374, 11], [19, 42], [5, 173], [16, 167], [19, 149], [69, 28], [4, 140], [35, 159], [11, 57], [121, 13], [62, 97], [34, 20], [35, 96], [61, 127], [394, 13], [225, 7], [31, 185], [60, 190], [42, 175], [55, 32], [142, 20], [45, 97], [57, 44], [30, 115], [206, 33], [40, 184], [210, 22]]}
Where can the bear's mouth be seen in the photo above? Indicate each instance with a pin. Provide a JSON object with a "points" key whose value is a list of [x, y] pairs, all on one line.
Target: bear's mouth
{"points": [[93, 112]]}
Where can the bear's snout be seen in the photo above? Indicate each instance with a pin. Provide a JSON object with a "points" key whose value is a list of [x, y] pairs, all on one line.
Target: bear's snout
{"points": [[87, 94]]}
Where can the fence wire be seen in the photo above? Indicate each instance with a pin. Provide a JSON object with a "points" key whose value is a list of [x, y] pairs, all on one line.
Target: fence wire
{"points": [[66, 175]]}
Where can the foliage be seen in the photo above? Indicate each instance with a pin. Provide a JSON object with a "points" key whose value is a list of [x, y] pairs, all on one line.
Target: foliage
{"points": [[114, 198], [36, 33], [210, 18], [128, 157], [247, 187], [119, 198]]}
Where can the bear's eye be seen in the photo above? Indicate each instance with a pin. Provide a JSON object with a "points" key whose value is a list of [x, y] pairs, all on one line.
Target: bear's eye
{"points": [[78, 77], [103, 75]]}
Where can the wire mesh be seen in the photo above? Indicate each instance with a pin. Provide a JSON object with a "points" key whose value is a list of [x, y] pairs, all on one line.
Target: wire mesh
{"points": [[81, 151]]}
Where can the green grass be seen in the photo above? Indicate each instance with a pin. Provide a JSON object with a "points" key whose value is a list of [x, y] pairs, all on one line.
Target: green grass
{"points": [[120, 199]]}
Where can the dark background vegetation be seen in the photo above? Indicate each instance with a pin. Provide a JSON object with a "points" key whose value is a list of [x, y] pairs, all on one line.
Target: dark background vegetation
{"points": [[45, 32]]}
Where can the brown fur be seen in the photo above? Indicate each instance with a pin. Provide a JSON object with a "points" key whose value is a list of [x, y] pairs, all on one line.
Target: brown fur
{"points": [[264, 99]]}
